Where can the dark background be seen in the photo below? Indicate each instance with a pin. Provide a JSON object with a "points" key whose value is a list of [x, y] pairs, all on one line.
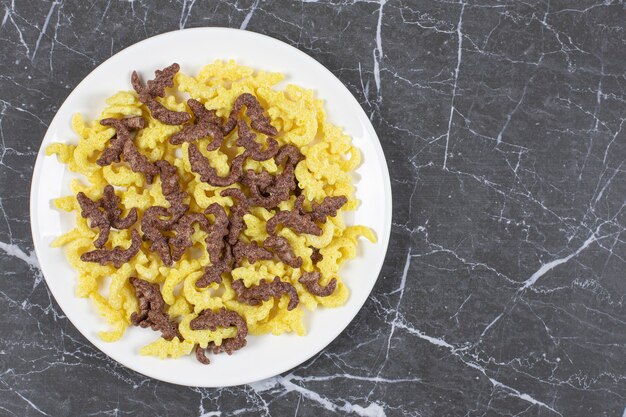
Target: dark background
{"points": [[503, 290]]}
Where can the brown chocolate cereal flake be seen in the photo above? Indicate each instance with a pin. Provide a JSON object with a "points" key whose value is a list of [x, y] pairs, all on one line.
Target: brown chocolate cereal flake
{"points": [[316, 256], [163, 79], [97, 219], [207, 123], [217, 231], [267, 191], [262, 197], [201, 356], [303, 222], [151, 310], [283, 251], [116, 256], [122, 145], [163, 114], [212, 320], [240, 209], [264, 291], [328, 207], [123, 128], [110, 203], [152, 224], [258, 120], [184, 229], [153, 227], [246, 139], [138, 162], [260, 180], [213, 273], [252, 251], [289, 155], [171, 189], [311, 281], [156, 88], [134, 122], [293, 219], [109, 217], [284, 183]]}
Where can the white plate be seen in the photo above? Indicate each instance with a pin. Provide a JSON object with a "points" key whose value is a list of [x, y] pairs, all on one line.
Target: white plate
{"points": [[264, 356]]}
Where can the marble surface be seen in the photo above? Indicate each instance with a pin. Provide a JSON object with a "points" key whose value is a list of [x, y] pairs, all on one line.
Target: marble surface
{"points": [[503, 292]]}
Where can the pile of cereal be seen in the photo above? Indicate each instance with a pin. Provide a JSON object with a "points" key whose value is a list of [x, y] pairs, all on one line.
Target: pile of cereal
{"points": [[212, 218]]}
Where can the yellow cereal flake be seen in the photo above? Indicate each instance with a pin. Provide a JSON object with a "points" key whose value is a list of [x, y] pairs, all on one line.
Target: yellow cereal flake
{"points": [[312, 188], [299, 116], [252, 314], [122, 176], [114, 317], [123, 98], [86, 284], [118, 280], [156, 195], [339, 142], [253, 274], [167, 348], [67, 203], [340, 250], [130, 303], [351, 163], [124, 103], [323, 240], [345, 189], [201, 298], [63, 151], [155, 135], [196, 89], [219, 71], [179, 308], [257, 166], [325, 165], [353, 232], [136, 197], [255, 226], [175, 276], [79, 126], [149, 271], [281, 321], [66, 238]]}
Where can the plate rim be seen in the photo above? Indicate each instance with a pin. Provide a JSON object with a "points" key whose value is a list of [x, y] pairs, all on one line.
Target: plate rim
{"points": [[382, 239]]}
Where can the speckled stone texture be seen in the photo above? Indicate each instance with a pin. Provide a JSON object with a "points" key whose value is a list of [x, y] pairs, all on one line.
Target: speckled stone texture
{"points": [[503, 292]]}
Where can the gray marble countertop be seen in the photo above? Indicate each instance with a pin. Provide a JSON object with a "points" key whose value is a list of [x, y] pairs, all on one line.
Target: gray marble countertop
{"points": [[503, 291]]}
